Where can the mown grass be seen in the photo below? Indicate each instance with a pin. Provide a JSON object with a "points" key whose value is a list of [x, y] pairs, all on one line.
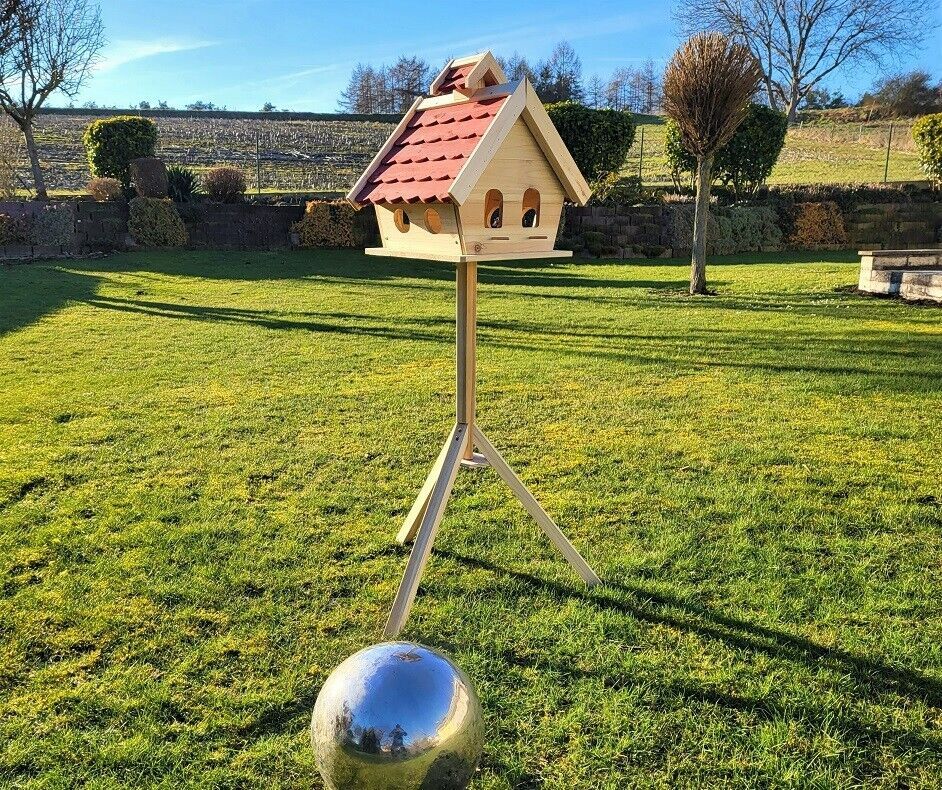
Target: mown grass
{"points": [[835, 153], [204, 458]]}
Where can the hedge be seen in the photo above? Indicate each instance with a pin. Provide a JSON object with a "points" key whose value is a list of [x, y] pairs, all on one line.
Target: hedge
{"points": [[597, 139], [730, 230], [155, 222], [334, 223], [927, 132], [746, 161]]}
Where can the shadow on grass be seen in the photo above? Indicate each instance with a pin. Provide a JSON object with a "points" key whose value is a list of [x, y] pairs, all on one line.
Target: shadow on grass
{"points": [[871, 677], [30, 291], [662, 609], [875, 359]]}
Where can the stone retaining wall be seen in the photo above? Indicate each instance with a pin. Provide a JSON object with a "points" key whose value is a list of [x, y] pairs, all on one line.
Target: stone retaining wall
{"points": [[895, 226], [645, 231]]}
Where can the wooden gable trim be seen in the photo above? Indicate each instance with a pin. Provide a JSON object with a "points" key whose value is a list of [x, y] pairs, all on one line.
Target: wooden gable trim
{"points": [[552, 145], [492, 140], [397, 132], [464, 61], [486, 64], [492, 92], [433, 88]]}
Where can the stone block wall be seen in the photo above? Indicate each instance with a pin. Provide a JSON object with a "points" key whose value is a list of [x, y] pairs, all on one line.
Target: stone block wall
{"points": [[239, 226], [645, 231], [895, 226], [101, 227], [620, 231]]}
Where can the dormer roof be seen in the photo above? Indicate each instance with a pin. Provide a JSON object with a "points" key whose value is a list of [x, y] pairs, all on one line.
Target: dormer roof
{"points": [[443, 143]]}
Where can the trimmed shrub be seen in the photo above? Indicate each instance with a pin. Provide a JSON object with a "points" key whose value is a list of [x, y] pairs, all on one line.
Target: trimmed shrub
{"points": [[149, 175], [13, 230], [333, 223], [597, 139], [817, 225], [53, 225], [224, 184], [104, 189], [155, 222], [182, 184], [927, 132], [745, 162], [111, 144]]}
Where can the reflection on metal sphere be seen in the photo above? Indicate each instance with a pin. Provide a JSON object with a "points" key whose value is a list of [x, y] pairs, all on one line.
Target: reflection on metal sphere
{"points": [[397, 716]]}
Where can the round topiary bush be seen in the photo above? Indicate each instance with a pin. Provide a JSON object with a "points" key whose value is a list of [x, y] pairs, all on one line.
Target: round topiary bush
{"points": [[224, 184], [155, 222], [111, 144]]}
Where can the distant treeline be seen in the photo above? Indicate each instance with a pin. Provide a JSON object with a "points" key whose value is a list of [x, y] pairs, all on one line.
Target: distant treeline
{"points": [[392, 89], [99, 112]]}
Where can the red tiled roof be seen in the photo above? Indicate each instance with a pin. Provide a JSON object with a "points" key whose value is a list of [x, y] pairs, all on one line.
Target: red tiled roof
{"points": [[422, 164], [454, 79]]}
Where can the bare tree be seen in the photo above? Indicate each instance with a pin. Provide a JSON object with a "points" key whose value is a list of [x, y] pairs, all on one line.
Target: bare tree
{"points": [[707, 88], [801, 42], [516, 67], [595, 93], [53, 47], [560, 77]]}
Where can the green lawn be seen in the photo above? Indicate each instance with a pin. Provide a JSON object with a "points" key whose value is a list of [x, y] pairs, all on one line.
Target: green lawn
{"points": [[204, 459], [834, 153]]}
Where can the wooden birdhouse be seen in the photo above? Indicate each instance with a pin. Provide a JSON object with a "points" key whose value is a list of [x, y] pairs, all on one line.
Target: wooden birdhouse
{"points": [[476, 171]]}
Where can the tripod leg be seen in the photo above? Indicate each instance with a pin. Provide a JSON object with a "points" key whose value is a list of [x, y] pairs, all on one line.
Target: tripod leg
{"points": [[411, 525], [554, 533], [423, 543]]}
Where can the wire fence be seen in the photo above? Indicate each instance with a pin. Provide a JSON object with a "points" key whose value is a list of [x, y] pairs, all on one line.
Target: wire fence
{"points": [[281, 155]]}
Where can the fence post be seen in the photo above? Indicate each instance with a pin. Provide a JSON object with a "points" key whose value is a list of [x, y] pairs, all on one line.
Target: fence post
{"points": [[258, 166], [889, 142], [641, 160]]}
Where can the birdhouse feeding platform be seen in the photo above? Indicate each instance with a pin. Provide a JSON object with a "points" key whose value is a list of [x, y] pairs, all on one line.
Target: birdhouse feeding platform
{"points": [[474, 172]]}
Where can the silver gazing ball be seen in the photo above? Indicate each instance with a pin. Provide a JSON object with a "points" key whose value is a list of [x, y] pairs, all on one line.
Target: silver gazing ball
{"points": [[397, 716]]}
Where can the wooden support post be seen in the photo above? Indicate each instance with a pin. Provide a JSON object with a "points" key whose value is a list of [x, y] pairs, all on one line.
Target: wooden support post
{"points": [[554, 533], [414, 520], [426, 514], [466, 347], [434, 511]]}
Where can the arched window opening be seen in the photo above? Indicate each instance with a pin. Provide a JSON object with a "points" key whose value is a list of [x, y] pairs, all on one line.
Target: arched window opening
{"points": [[494, 209], [433, 221], [531, 209], [402, 220]]}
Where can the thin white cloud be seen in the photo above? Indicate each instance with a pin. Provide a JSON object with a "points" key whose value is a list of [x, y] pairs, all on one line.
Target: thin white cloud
{"points": [[125, 51], [277, 82]]}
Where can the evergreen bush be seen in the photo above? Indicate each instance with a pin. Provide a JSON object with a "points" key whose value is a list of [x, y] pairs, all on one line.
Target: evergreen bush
{"points": [[745, 162], [155, 222], [111, 144], [927, 132], [597, 139]]}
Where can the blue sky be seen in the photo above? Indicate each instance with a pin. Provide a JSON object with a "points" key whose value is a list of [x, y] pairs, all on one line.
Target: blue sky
{"points": [[298, 53]]}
